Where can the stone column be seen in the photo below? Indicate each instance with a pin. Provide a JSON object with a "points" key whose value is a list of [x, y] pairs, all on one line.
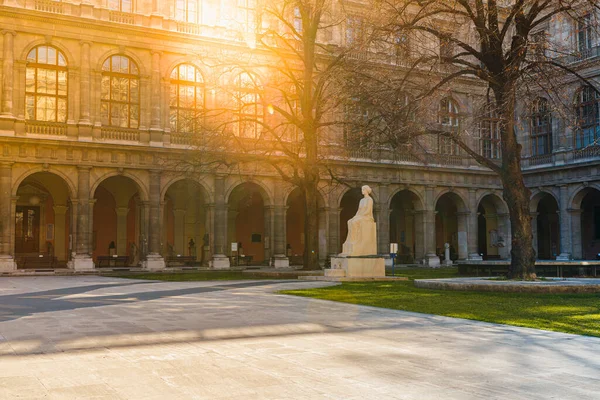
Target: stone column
{"points": [[83, 258], [155, 128], [463, 220], [179, 228], [473, 228], [576, 229], [334, 231], [566, 249], [8, 74], [154, 260], [208, 229], [122, 230], [431, 259], [383, 223], [534, 231], [220, 260], [7, 262], [60, 215], [420, 229], [322, 234], [85, 91], [268, 232], [280, 259]]}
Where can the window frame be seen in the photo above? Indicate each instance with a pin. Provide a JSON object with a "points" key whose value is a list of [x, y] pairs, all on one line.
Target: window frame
{"points": [[257, 114], [36, 94], [177, 108], [489, 134], [587, 114], [112, 75], [540, 128], [120, 8]]}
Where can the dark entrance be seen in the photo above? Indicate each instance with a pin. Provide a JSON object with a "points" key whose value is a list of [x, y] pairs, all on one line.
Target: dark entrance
{"points": [[27, 230]]}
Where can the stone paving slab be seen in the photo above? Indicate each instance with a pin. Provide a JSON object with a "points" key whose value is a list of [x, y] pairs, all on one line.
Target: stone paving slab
{"points": [[491, 284], [105, 338]]}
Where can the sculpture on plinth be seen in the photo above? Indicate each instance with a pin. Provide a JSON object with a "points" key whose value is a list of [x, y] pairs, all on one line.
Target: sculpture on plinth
{"points": [[362, 230], [359, 259]]}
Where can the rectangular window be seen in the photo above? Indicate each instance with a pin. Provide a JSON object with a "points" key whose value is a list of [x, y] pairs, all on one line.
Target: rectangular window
{"points": [[584, 36], [446, 50], [354, 27]]}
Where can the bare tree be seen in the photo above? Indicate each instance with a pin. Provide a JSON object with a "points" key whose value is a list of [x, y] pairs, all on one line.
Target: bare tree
{"points": [[277, 103], [493, 42]]}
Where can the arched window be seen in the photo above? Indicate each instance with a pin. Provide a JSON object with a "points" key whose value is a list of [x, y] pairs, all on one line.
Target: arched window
{"points": [[489, 133], [587, 112], [120, 93], [248, 106], [541, 128], [186, 99], [188, 11], [46, 85], [121, 5], [448, 116]]}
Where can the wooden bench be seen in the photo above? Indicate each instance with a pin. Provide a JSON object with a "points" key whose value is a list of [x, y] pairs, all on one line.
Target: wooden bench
{"points": [[112, 261], [179, 261], [36, 261]]}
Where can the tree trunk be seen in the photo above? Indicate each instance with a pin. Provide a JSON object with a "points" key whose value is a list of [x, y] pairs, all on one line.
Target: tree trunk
{"points": [[516, 194], [311, 227]]}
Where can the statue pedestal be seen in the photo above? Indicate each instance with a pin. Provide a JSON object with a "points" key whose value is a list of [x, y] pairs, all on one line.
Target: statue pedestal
{"points": [[357, 267]]}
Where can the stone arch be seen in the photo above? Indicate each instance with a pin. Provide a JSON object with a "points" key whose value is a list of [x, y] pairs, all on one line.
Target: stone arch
{"points": [[185, 221], [118, 223], [419, 204], [118, 52], [406, 225], [249, 222], [451, 213], [497, 199], [585, 221], [544, 208], [493, 227], [138, 181], [264, 190], [457, 197], [192, 60], [43, 210], [71, 186], [537, 195], [320, 199], [208, 195], [580, 192], [54, 43]]}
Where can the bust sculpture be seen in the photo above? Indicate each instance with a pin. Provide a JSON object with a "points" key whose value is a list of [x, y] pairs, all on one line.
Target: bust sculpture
{"points": [[362, 230]]}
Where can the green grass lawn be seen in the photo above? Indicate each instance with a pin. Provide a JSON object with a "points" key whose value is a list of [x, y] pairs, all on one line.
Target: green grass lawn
{"points": [[571, 313], [190, 276]]}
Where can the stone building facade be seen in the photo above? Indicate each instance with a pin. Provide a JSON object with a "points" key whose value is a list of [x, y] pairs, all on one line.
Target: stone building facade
{"points": [[86, 115]]}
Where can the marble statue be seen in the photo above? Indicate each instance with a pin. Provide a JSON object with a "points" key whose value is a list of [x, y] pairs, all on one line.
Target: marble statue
{"points": [[362, 230]]}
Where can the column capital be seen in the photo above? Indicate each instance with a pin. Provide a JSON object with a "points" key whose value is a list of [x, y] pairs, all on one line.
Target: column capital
{"points": [[9, 31], [6, 163], [84, 167], [85, 42]]}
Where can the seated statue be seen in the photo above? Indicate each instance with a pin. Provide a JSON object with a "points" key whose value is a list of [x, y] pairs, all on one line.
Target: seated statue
{"points": [[362, 230]]}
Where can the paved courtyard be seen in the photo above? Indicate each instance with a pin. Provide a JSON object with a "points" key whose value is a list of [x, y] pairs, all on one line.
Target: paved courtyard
{"points": [[106, 338]]}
